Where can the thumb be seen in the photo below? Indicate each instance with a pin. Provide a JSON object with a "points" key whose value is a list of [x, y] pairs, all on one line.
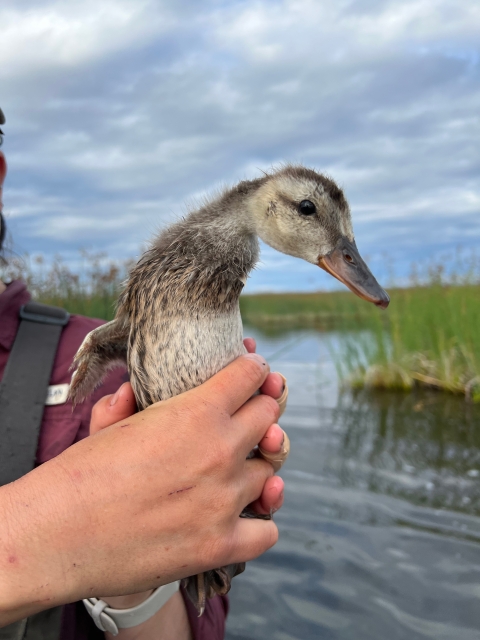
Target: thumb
{"points": [[112, 408], [231, 387]]}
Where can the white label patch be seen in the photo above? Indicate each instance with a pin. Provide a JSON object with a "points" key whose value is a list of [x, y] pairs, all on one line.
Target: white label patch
{"points": [[57, 394]]}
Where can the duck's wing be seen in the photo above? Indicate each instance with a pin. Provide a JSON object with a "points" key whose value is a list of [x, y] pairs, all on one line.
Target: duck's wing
{"points": [[103, 349]]}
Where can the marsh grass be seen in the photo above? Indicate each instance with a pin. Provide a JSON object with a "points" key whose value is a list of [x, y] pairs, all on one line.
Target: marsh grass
{"points": [[429, 336], [90, 290]]}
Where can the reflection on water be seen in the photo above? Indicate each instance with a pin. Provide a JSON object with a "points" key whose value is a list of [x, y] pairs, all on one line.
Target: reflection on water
{"points": [[423, 447], [380, 532]]}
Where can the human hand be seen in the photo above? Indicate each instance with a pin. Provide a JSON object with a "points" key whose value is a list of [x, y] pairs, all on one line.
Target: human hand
{"points": [[119, 406], [136, 506]]}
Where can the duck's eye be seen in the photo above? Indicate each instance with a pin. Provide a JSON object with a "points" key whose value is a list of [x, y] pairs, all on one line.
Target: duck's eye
{"points": [[307, 208]]}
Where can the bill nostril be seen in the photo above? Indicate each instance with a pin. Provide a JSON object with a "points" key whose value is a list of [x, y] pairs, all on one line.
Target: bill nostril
{"points": [[348, 257]]}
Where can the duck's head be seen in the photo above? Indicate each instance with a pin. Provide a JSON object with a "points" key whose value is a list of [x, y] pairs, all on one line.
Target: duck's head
{"points": [[305, 214]]}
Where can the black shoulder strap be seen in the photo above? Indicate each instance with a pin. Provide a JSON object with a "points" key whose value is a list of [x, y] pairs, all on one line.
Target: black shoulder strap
{"points": [[23, 392], [24, 387], [45, 625]]}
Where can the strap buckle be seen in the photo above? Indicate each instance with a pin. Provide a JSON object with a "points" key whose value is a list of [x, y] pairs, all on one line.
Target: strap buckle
{"points": [[44, 314]]}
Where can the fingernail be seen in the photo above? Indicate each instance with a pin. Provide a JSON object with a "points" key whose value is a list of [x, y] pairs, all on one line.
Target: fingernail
{"points": [[116, 396], [282, 443], [283, 379]]}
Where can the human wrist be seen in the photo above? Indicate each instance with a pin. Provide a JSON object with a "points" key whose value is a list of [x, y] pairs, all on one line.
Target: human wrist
{"points": [[135, 622]]}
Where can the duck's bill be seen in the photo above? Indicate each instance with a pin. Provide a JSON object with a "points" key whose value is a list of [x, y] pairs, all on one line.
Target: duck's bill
{"points": [[346, 264]]}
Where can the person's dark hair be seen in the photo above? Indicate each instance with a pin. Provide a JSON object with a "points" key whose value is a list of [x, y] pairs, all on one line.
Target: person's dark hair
{"points": [[3, 230], [3, 226]]}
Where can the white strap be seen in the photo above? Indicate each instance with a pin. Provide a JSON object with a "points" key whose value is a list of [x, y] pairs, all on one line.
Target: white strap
{"points": [[111, 620]]}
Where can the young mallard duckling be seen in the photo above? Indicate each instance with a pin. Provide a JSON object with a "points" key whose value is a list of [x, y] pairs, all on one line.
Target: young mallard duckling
{"points": [[178, 319]]}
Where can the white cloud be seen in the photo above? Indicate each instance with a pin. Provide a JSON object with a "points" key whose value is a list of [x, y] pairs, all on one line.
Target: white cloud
{"points": [[119, 112], [267, 31], [68, 34]]}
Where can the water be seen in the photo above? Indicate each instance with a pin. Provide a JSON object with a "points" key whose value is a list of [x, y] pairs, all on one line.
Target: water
{"points": [[380, 531]]}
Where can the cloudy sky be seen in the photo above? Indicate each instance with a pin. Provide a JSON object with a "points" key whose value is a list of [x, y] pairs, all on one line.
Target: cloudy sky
{"points": [[121, 112]]}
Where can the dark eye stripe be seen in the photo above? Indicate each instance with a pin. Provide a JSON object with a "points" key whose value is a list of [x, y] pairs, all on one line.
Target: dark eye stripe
{"points": [[307, 208]]}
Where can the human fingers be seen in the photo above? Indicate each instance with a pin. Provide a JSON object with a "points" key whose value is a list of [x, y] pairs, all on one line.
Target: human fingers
{"points": [[274, 447], [251, 538], [273, 385], [113, 408], [273, 439], [276, 386], [276, 458], [282, 400], [251, 422], [271, 499], [250, 345], [253, 478], [231, 387]]}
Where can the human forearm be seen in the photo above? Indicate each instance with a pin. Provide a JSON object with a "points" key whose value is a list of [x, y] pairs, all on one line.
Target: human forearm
{"points": [[32, 570]]}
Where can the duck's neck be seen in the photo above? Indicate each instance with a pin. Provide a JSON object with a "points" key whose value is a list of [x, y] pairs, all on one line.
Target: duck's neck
{"points": [[201, 263], [221, 235]]}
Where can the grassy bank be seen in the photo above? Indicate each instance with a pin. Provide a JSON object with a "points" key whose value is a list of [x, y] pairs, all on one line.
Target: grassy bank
{"points": [[321, 310], [90, 290], [430, 334]]}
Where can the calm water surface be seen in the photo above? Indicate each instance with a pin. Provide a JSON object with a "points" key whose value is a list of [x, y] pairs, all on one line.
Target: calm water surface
{"points": [[380, 532]]}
